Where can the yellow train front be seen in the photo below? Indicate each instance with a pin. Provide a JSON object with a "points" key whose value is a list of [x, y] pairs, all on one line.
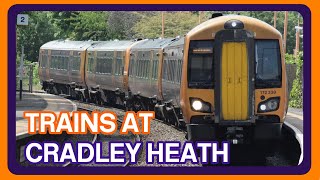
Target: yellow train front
{"points": [[233, 84]]}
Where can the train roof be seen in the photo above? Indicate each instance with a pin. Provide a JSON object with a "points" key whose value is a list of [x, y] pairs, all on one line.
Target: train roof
{"points": [[111, 45], [177, 42], [67, 45], [210, 27], [152, 43]]}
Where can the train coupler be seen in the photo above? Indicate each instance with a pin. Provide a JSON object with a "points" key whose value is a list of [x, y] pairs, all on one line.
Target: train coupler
{"points": [[235, 135]]}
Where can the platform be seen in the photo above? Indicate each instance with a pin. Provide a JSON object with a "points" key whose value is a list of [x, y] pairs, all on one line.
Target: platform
{"points": [[295, 118], [38, 102], [294, 122]]}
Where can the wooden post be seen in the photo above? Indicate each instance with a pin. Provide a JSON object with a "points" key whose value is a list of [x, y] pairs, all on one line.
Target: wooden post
{"points": [[162, 14], [285, 32], [275, 19]]}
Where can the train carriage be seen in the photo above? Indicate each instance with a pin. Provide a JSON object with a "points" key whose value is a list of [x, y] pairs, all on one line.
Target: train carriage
{"points": [[168, 108], [233, 81], [61, 66], [171, 71], [105, 67], [145, 73]]}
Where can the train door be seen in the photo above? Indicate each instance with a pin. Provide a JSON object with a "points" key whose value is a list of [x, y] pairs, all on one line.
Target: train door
{"points": [[234, 60], [48, 65], [234, 81], [70, 59]]}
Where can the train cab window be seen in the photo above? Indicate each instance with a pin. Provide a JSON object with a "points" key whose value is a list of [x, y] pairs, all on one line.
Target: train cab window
{"points": [[268, 63], [200, 64]]}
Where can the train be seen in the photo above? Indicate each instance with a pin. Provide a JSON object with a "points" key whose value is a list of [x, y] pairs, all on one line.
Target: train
{"points": [[224, 80]]}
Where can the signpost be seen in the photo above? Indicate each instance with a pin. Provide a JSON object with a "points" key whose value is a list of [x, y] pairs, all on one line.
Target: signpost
{"points": [[21, 71], [22, 19]]}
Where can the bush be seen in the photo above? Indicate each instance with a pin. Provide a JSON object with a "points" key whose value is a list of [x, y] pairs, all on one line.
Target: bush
{"points": [[296, 95]]}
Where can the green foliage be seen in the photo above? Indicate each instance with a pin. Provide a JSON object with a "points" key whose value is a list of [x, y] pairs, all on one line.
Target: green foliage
{"points": [[38, 32], [64, 22], [176, 23], [90, 26], [290, 59], [296, 95], [120, 23]]}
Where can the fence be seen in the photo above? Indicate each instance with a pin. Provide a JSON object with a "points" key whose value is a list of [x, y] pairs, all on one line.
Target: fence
{"points": [[30, 78], [291, 74]]}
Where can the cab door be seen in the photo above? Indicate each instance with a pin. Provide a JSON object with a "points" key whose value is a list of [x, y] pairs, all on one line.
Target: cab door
{"points": [[234, 81], [234, 76]]}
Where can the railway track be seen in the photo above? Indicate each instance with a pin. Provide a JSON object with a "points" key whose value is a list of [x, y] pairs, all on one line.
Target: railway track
{"points": [[94, 108]]}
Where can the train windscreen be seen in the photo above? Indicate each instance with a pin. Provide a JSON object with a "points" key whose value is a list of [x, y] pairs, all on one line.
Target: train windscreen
{"points": [[200, 64], [268, 64]]}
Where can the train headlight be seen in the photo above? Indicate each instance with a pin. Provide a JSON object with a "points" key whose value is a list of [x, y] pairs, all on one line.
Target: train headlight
{"points": [[263, 107], [270, 104], [199, 105], [234, 24]]}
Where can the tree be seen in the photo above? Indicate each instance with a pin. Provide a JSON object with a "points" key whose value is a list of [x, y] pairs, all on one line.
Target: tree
{"points": [[176, 23], [38, 32], [90, 25], [64, 22], [122, 22]]}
